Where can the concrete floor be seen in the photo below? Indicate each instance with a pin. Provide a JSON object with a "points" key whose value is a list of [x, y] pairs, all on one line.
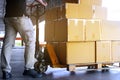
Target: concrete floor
{"points": [[17, 64]]}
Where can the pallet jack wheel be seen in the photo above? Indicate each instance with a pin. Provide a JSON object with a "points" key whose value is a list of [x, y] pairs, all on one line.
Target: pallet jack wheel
{"points": [[105, 68], [92, 67], [40, 66]]}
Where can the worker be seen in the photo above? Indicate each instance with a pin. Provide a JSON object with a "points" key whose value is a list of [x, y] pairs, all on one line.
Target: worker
{"points": [[17, 21]]}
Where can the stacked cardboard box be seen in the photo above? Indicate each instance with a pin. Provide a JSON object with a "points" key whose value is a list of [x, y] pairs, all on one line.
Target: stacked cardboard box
{"points": [[91, 2], [81, 33], [76, 11]]}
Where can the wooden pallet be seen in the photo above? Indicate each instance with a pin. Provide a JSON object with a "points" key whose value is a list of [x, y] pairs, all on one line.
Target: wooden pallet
{"points": [[92, 66]]}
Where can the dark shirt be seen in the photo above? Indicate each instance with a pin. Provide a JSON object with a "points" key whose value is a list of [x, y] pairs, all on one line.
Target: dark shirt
{"points": [[15, 8]]}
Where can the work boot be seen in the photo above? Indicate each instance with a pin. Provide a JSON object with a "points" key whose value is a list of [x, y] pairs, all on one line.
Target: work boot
{"points": [[32, 73], [6, 75]]}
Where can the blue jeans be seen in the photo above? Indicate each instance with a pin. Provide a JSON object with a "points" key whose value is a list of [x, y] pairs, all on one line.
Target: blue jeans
{"points": [[24, 26]]}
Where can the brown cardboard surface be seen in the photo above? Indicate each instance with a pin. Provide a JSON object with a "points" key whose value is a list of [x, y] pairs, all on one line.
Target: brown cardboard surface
{"points": [[69, 30], [49, 31], [83, 30], [70, 10], [91, 2], [80, 52], [103, 51], [51, 14], [115, 51], [102, 30], [100, 12]]}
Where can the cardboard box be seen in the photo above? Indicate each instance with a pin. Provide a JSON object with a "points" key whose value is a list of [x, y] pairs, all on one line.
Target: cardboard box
{"points": [[92, 30], [103, 52], [115, 51], [107, 51], [49, 31], [80, 11], [70, 10], [69, 30], [102, 30], [99, 12], [91, 2], [80, 52], [110, 30], [75, 52]]}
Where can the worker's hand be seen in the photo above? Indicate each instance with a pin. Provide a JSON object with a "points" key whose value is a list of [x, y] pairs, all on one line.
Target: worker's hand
{"points": [[43, 2]]}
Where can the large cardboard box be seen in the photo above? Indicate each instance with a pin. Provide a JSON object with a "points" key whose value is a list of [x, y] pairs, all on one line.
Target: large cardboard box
{"points": [[102, 30], [92, 30], [49, 31], [91, 2], [80, 11], [80, 52], [75, 52], [115, 51], [110, 30], [70, 10], [69, 30], [107, 51], [99, 12], [103, 52]]}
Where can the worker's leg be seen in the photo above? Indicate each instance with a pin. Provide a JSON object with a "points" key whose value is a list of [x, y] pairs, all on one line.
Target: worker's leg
{"points": [[8, 42], [25, 27]]}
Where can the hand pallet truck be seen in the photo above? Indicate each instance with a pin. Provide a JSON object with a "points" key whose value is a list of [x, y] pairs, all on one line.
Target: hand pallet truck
{"points": [[40, 65], [42, 62]]}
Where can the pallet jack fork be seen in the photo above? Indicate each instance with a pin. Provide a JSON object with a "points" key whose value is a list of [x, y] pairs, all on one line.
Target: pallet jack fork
{"points": [[53, 57]]}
